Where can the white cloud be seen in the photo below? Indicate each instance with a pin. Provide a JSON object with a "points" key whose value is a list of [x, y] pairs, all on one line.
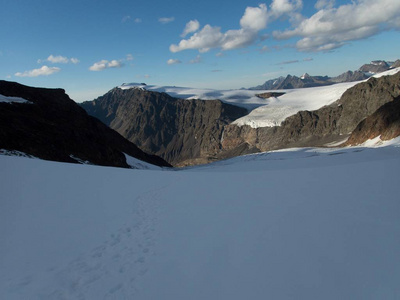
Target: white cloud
{"points": [[172, 61], [191, 26], [105, 64], [43, 71], [253, 20], [58, 59], [138, 20], [331, 27], [282, 7], [166, 20], [99, 66], [114, 64], [195, 60], [129, 57]]}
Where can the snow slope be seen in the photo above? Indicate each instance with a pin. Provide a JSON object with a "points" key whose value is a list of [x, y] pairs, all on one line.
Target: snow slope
{"points": [[263, 112], [293, 224]]}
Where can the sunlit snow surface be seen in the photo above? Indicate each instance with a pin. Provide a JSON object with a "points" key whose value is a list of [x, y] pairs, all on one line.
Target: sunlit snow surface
{"points": [[293, 224], [263, 112]]}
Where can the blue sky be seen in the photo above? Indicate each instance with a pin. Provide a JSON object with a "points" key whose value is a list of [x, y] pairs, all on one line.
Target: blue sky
{"points": [[88, 47]]}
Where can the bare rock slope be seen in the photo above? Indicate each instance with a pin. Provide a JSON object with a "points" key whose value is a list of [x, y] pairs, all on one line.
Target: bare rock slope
{"points": [[180, 131], [54, 127]]}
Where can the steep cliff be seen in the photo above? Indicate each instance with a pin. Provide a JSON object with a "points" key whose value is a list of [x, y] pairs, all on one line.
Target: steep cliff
{"points": [[180, 131]]}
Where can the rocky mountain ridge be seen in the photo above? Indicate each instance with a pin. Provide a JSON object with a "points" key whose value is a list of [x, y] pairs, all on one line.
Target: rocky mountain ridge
{"points": [[51, 126], [332, 123], [188, 132], [294, 82], [180, 131]]}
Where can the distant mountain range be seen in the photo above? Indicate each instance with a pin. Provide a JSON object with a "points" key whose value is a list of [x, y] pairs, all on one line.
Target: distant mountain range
{"points": [[188, 132], [131, 121], [306, 80]]}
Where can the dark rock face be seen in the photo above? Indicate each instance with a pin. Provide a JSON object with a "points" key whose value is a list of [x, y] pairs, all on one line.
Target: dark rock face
{"points": [[54, 127], [350, 76], [396, 64], [376, 66], [183, 132], [269, 95], [294, 82], [325, 125], [385, 122]]}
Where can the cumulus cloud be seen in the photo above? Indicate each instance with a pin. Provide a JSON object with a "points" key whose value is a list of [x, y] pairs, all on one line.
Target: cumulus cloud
{"points": [[166, 20], [253, 20], [43, 71], [59, 60], [191, 26], [172, 61], [105, 64], [282, 7], [332, 28]]}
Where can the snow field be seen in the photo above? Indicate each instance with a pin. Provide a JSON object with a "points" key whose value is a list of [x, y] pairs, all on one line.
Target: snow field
{"points": [[292, 224]]}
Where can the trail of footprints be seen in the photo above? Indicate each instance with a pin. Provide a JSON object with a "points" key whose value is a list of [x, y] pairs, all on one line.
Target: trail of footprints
{"points": [[113, 269]]}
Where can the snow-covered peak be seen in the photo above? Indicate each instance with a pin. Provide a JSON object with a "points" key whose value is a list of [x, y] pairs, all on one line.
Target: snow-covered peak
{"points": [[304, 76]]}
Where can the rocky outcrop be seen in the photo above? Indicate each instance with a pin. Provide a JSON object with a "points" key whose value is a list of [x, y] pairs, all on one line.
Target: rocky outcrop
{"points": [[350, 76], [385, 122], [54, 127], [183, 132], [396, 64], [325, 125], [374, 67]]}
